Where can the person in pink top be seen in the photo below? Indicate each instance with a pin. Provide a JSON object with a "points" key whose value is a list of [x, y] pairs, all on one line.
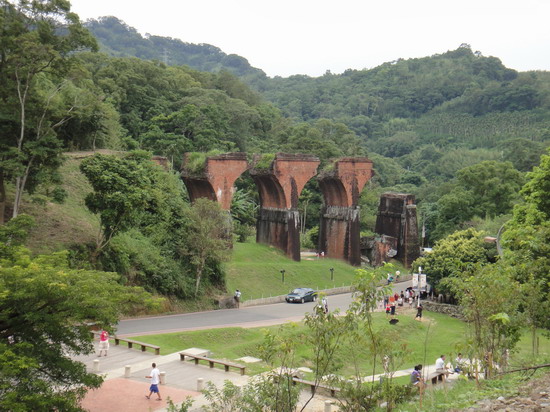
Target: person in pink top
{"points": [[103, 342]]}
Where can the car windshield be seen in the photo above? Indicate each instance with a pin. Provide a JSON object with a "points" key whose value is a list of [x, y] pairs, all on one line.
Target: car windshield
{"points": [[297, 291]]}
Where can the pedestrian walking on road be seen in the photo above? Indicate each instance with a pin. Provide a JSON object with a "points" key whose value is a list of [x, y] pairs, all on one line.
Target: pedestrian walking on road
{"points": [[155, 380], [237, 297]]}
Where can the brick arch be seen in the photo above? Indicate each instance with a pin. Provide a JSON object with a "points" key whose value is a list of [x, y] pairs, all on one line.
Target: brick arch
{"points": [[217, 180], [200, 189], [339, 226], [271, 192], [334, 192], [280, 186]]}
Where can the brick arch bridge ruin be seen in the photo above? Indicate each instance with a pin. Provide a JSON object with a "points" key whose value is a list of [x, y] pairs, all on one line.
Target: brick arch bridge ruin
{"points": [[279, 185]]}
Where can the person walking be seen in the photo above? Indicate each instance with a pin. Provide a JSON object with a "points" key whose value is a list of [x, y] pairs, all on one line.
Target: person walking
{"points": [[103, 342], [155, 380], [419, 310], [237, 297], [324, 302]]}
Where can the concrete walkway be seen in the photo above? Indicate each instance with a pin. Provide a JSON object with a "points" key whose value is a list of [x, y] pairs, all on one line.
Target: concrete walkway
{"points": [[120, 394]]}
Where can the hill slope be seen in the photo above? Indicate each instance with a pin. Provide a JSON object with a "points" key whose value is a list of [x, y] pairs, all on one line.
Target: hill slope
{"points": [[58, 226], [255, 269], [120, 40]]}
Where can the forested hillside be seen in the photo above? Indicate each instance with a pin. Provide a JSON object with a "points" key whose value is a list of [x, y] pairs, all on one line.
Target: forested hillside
{"points": [[459, 130], [421, 120], [462, 132], [118, 39]]}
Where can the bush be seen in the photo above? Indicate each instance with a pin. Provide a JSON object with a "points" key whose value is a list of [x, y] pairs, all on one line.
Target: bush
{"points": [[142, 263], [59, 195], [242, 231], [196, 161], [310, 239], [264, 162]]}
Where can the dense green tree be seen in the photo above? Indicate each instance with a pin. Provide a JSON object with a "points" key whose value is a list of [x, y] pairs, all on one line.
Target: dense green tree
{"points": [[122, 191], [523, 153], [37, 44], [455, 254], [494, 186], [44, 315], [453, 210], [398, 145], [526, 239]]}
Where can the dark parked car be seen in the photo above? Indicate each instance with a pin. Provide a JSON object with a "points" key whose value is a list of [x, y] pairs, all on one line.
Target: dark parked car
{"points": [[302, 295]]}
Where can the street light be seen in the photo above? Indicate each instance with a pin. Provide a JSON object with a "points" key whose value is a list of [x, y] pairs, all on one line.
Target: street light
{"points": [[283, 275], [331, 273]]}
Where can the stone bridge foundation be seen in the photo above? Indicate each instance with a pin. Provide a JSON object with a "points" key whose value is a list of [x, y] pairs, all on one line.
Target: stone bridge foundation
{"points": [[397, 218]]}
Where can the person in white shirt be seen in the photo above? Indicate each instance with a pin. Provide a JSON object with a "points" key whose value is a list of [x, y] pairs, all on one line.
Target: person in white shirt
{"points": [[324, 303], [155, 380], [237, 297], [440, 366]]}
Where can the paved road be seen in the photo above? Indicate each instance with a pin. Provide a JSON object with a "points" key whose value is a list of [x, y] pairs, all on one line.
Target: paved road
{"points": [[248, 316]]}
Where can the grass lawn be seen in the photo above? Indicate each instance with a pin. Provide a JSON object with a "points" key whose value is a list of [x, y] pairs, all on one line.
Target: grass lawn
{"points": [[255, 270], [443, 333]]}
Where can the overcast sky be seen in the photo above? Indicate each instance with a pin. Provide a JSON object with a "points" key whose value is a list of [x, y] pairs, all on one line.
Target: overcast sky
{"points": [[287, 37]]}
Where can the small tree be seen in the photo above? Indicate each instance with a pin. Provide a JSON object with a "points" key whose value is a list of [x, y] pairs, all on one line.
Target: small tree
{"points": [[486, 295], [357, 395], [122, 192], [535, 305], [327, 332], [207, 237]]}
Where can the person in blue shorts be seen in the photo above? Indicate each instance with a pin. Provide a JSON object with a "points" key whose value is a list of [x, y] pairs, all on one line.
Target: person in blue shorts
{"points": [[155, 380]]}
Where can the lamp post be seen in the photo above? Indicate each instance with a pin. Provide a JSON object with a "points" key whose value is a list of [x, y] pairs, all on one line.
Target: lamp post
{"points": [[331, 274], [283, 275], [418, 284]]}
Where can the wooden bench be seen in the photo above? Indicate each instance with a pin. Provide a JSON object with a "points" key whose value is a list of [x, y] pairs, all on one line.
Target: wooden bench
{"points": [[312, 385], [436, 376], [130, 343], [143, 345], [212, 362]]}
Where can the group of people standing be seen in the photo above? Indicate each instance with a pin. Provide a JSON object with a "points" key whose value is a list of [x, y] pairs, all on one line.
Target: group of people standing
{"points": [[400, 299]]}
